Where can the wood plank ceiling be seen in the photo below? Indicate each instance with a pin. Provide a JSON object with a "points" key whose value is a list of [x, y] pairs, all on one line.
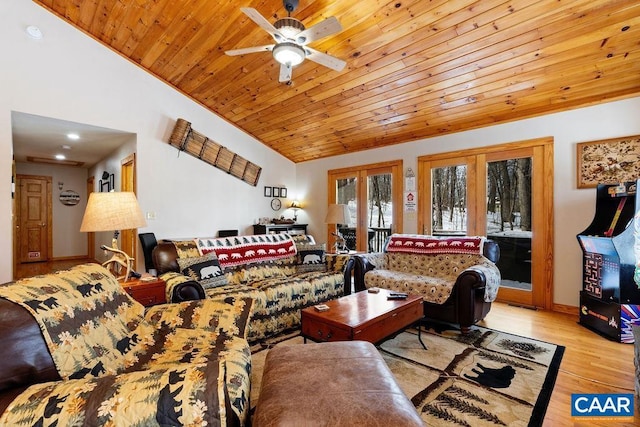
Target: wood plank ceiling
{"points": [[415, 68]]}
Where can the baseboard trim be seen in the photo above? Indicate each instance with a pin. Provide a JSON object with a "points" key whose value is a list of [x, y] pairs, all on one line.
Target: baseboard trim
{"points": [[69, 258], [566, 309]]}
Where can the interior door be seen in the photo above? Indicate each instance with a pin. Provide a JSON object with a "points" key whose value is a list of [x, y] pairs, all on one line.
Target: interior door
{"points": [[34, 218], [492, 192]]}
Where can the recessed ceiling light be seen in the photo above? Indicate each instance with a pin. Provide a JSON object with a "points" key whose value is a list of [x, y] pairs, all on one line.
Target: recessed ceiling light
{"points": [[34, 32], [73, 136], [66, 147], [60, 156]]}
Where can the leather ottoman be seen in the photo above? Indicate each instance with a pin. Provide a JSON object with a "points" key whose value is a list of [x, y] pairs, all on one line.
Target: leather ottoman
{"points": [[331, 384]]}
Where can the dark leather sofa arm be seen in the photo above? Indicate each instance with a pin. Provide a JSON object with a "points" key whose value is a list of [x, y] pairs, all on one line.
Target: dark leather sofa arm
{"points": [[187, 291], [471, 279], [361, 265], [182, 288], [348, 273]]}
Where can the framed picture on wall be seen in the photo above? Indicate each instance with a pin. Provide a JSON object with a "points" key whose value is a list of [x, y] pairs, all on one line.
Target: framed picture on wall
{"points": [[275, 192], [608, 161], [267, 191], [283, 192]]}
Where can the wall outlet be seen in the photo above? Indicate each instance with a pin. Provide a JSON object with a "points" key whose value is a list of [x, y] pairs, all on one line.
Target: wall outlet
{"points": [[151, 215]]}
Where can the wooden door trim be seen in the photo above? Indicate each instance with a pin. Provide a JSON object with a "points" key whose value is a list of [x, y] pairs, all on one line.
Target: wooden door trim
{"points": [[541, 151], [91, 236], [488, 149], [128, 169]]}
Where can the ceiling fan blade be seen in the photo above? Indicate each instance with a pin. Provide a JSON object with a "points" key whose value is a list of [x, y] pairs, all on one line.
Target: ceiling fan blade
{"points": [[321, 29], [324, 59], [262, 22], [254, 49]]}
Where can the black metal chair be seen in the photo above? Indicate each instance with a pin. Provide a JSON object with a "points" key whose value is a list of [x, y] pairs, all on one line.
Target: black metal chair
{"points": [[148, 241]]}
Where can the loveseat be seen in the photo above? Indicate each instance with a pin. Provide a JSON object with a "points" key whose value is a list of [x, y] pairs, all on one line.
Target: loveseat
{"points": [[456, 276], [77, 350], [282, 273]]}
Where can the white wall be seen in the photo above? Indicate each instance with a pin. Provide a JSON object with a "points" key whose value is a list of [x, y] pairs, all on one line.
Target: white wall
{"points": [[67, 239], [69, 76], [573, 208]]}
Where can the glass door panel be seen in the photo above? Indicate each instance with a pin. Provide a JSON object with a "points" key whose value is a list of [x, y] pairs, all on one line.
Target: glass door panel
{"points": [[448, 200], [379, 210], [373, 200], [509, 218], [347, 194]]}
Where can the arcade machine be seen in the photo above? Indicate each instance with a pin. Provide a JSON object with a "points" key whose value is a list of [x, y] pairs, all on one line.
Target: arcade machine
{"points": [[610, 298]]}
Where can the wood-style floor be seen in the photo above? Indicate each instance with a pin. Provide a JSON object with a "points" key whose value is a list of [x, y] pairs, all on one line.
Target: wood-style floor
{"points": [[591, 363], [29, 269]]}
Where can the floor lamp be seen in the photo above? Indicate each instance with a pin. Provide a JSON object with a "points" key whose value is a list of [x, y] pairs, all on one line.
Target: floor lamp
{"points": [[338, 214], [114, 211]]}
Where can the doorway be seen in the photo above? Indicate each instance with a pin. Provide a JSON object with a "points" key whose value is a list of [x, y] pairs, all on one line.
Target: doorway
{"points": [[504, 192]]}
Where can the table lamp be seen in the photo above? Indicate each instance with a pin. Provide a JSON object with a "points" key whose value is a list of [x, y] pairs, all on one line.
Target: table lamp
{"points": [[338, 214], [113, 211], [295, 206]]}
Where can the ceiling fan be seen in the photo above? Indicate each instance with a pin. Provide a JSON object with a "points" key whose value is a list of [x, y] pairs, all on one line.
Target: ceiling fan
{"points": [[292, 37]]}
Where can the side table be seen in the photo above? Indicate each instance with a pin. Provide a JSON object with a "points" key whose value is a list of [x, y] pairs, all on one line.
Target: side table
{"points": [[146, 291]]}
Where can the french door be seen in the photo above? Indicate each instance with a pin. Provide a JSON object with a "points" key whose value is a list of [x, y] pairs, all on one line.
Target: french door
{"points": [[503, 192], [373, 196]]}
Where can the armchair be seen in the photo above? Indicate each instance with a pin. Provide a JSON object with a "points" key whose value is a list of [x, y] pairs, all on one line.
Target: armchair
{"points": [[77, 350]]}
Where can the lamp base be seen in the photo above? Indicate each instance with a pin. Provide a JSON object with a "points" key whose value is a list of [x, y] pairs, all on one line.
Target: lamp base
{"points": [[118, 262]]}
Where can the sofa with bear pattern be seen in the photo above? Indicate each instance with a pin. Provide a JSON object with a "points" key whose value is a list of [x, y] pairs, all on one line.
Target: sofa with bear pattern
{"points": [[283, 274]]}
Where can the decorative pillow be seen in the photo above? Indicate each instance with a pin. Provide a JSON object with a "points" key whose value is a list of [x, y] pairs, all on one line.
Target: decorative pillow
{"points": [[204, 269], [311, 258], [303, 239], [186, 248]]}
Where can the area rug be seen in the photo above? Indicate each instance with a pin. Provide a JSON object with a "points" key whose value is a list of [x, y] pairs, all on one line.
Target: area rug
{"points": [[484, 378]]}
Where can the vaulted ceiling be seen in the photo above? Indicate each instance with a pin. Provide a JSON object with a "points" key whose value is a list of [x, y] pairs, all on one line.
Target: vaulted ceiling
{"points": [[415, 68]]}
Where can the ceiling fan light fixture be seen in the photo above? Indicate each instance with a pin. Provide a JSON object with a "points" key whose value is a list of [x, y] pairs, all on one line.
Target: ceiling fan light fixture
{"points": [[288, 54], [289, 27]]}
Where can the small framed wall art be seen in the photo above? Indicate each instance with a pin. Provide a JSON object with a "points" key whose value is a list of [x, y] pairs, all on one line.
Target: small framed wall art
{"points": [[275, 191], [283, 192], [267, 191], [608, 161]]}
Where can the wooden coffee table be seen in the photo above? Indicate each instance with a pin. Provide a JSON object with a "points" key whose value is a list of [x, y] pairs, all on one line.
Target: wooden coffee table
{"points": [[362, 316]]}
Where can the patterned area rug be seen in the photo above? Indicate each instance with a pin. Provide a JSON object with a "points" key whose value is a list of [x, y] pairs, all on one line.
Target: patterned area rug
{"points": [[485, 378]]}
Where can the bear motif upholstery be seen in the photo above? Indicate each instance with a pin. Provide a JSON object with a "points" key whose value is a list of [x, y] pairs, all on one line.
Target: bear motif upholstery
{"points": [[456, 276], [88, 354]]}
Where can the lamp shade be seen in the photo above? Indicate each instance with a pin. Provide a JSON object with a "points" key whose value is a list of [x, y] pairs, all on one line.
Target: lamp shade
{"points": [[112, 212], [338, 214]]}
